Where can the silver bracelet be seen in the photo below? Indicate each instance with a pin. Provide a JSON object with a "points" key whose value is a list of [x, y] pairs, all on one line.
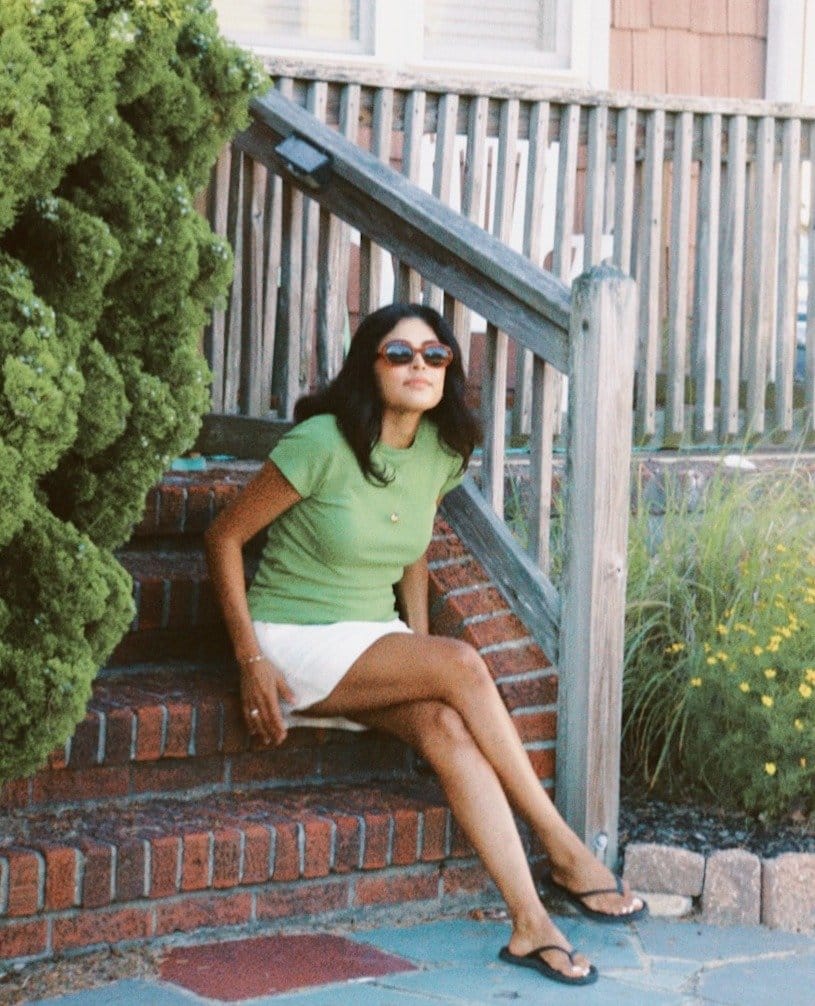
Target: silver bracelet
{"points": [[252, 660]]}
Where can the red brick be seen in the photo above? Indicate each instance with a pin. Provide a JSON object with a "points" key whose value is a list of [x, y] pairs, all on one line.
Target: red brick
{"points": [[195, 866], [15, 794], [171, 509], [208, 727], [24, 880], [317, 859], [199, 509], [149, 732], [66, 786], [286, 853], [466, 879], [151, 603], [499, 629], [164, 853], [176, 774], [235, 734], [207, 911], [222, 495], [303, 899], [91, 928], [443, 579], [59, 756], [181, 606], [256, 849], [130, 871], [537, 726], [458, 607], [434, 833], [119, 745], [179, 730], [536, 691], [377, 840], [396, 888], [23, 939], [460, 847], [208, 610], [519, 659], [346, 844], [61, 865], [448, 547], [275, 763], [97, 874], [226, 857], [149, 522], [405, 837], [85, 742], [543, 762]]}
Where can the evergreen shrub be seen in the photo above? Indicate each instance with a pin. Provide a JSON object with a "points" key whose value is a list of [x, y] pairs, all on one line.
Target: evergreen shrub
{"points": [[112, 114]]}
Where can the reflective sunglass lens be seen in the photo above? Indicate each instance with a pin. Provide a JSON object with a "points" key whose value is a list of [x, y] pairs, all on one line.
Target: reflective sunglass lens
{"points": [[437, 356], [398, 353]]}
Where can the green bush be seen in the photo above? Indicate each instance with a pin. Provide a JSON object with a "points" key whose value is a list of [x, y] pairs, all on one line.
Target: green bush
{"points": [[719, 694], [113, 112]]}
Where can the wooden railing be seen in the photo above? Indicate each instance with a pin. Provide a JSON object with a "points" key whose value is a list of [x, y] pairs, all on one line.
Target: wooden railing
{"points": [[287, 254], [707, 204]]}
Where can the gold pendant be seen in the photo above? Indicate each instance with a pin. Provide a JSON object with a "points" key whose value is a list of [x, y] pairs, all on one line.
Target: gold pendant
{"points": [[394, 518]]}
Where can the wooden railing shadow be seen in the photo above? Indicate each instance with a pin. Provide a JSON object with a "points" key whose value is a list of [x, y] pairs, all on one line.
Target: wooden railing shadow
{"points": [[586, 333]]}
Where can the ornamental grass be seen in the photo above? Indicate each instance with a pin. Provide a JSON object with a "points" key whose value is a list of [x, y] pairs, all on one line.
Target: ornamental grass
{"points": [[719, 687]]}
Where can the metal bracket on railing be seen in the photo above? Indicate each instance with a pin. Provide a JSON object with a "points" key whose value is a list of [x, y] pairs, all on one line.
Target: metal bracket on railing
{"points": [[309, 165]]}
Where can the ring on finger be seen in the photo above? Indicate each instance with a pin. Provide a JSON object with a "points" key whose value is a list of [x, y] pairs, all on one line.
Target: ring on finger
{"points": [[254, 713]]}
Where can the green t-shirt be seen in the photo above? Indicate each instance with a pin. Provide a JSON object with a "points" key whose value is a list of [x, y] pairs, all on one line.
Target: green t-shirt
{"points": [[336, 554]]}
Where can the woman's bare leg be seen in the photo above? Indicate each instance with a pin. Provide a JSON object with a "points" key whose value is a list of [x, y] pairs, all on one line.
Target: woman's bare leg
{"points": [[479, 804], [401, 668]]}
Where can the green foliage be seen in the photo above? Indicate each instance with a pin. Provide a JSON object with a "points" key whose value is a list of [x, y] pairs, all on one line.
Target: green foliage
{"points": [[113, 112], [720, 668]]}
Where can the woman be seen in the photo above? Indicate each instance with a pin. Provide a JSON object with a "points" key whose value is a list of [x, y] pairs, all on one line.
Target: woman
{"points": [[349, 497]]}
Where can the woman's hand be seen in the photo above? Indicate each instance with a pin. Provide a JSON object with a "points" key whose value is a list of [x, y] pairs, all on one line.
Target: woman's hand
{"points": [[262, 687]]}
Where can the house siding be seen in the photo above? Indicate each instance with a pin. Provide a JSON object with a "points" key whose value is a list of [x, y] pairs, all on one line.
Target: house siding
{"points": [[711, 48]]}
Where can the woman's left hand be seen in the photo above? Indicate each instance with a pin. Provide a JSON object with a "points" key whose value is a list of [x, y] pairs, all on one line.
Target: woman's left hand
{"points": [[262, 688]]}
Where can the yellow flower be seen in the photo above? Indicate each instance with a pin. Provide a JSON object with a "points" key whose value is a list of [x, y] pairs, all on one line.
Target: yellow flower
{"points": [[711, 661], [802, 762], [785, 632], [770, 673], [769, 767], [780, 548], [722, 629], [722, 656], [809, 674], [758, 650], [767, 700], [744, 686], [696, 682], [805, 691], [707, 647], [798, 724]]}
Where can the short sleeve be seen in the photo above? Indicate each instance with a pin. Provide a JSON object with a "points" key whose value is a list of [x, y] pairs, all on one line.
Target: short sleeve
{"points": [[455, 478], [305, 453]]}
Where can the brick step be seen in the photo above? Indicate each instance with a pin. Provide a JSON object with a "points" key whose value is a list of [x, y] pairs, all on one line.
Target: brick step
{"points": [[71, 880], [160, 729]]}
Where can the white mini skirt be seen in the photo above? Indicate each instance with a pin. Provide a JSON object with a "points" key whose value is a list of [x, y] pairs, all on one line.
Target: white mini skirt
{"points": [[315, 658]]}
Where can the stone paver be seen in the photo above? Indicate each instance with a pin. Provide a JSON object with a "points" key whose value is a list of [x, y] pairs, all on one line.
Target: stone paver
{"points": [[788, 892], [732, 891], [664, 869]]}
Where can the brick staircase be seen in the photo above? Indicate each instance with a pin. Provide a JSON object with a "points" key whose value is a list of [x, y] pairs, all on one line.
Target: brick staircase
{"points": [[161, 816]]}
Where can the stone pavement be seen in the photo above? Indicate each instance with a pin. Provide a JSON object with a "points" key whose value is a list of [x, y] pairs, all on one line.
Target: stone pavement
{"points": [[658, 962]]}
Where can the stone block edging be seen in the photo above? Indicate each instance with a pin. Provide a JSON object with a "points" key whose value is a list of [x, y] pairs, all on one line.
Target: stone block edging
{"points": [[729, 886]]}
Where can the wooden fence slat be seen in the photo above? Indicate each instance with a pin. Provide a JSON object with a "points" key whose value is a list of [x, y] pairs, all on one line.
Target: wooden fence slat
{"points": [[707, 268], [566, 191], [758, 277], [601, 338], [252, 383], [286, 383], [532, 248], [679, 276], [472, 194], [649, 257], [546, 387], [316, 103], [595, 186], [214, 334], [625, 164], [809, 392], [786, 317], [371, 255], [232, 326], [731, 271], [408, 281], [443, 168]]}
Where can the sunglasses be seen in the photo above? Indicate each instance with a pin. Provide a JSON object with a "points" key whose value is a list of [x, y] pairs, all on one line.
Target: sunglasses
{"points": [[399, 353]]}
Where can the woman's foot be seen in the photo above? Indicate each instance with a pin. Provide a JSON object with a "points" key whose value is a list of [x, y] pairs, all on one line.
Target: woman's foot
{"points": [[529, 935], [594, 889]]}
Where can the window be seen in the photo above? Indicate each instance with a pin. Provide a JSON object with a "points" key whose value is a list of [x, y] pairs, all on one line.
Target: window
{"points": [[536, 40]]}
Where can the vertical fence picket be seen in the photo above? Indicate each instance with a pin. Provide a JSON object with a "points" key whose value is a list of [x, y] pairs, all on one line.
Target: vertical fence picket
{"points": [[251, 360], [707, 268], [443, 168], [809, 374], [218, 206], [786, 317], [370, 255], [595, 186], [679, 276], [758, 277], [408, 281], [649, 257], [624, 171], [286, 382], [232, 325], [317, 104]]}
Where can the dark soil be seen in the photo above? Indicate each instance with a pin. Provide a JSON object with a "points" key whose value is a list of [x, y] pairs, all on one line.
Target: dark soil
{"points": [[706, 829]]}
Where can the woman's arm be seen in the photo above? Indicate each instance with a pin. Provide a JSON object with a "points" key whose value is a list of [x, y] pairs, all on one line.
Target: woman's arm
{"points": [[411, 592], [263, 500]]}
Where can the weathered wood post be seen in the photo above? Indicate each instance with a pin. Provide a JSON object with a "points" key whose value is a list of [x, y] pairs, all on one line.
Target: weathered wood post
{"points": [[602, 336]]}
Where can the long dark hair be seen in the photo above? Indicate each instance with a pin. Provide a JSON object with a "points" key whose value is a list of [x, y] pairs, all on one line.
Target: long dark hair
{"points": [[353, 396]]}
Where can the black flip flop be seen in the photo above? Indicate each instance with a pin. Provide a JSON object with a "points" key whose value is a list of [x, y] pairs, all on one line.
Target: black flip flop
{"points": [[578, 899], [534, 960]]}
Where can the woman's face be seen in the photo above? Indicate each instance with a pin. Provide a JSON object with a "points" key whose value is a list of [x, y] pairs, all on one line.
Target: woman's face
{"points": [[414, 386]]}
